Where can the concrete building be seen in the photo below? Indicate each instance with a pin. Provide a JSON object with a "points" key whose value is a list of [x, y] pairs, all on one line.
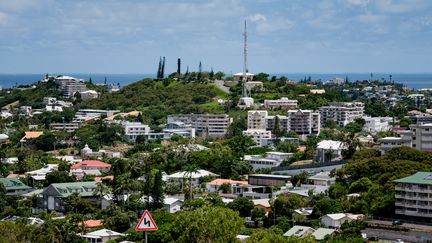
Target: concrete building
{"points": [[322, 179], [271, 159], [414, 195], [268, 180], [422, 136], [329, 150], [303, 122], [260, 136], [257, 120], [283, 103], [89, 94], [70, 85], [387, 143], [376, 124], [68, 127], [335, 220], [134, 129], [341, 112], [205, 125]]}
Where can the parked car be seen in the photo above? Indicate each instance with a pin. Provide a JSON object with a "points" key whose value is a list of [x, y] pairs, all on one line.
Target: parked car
{"points": [[397, 222]]}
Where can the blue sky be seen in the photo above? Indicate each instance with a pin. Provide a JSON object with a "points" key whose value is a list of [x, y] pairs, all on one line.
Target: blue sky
{"points": [[128, 36]]}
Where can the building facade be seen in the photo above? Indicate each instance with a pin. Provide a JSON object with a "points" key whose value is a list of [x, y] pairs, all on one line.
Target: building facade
{"points": [[70, 85], [341, 112], [205, 125], [303, 122], [283, 103]]}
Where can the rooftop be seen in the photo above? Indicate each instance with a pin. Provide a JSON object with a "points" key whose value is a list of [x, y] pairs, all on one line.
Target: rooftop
{"points": [[31, 135], [418, 178], [90, 163], [13, 184]]}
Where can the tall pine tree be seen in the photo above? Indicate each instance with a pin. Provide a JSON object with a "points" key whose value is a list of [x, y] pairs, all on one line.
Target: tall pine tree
{"points": [[158, 75], [157, 192], [163, 68]]}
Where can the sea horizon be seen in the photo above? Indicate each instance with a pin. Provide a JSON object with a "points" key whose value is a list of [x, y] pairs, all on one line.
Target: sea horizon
{"points": [[411, 80]]}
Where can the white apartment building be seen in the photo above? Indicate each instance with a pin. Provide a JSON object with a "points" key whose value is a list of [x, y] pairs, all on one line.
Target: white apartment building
{"points": [[341, 112], [271, 159], [414, 195], [421, 136], [260, 136], [283, 102], [206, 125], [134, 129], [70, 85], [89, 94], [376, 124], [303, 122], [257, 120]]}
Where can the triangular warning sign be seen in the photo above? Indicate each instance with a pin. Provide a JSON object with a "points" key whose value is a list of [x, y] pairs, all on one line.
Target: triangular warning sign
{"points": [[146, 222]]}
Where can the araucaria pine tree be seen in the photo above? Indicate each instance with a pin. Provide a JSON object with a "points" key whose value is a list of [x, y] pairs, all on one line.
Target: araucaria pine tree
{"points": [[178, 66], [163, 68], [158, 75], [157, 192]]}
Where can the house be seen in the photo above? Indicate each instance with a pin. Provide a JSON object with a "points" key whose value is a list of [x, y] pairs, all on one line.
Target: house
{"points": [[299, 231], [268, 180], [101, 236], [172, 205], [213, 186], [39, 175], [321, 233], [93, 223], [4, 138], [183, 177], [322, 178], [52, 197], [335, 220], [262, 203], [329, 150], [92, 165], [303, 211], [14, 186], [271, 159], [31, 135]]}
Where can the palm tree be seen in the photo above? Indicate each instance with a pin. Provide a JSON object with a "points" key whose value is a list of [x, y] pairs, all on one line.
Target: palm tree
{"points": [[192, 168], [101, 190]]}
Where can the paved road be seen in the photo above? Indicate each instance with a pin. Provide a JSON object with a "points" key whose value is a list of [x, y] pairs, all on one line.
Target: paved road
{"points": [[220, 84]]}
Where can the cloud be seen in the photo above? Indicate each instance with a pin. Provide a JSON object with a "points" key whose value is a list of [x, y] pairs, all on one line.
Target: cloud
{"points": [[401, 6], [4, 19], [358, 2], [370, 18], [257, 17], [264, 25]]}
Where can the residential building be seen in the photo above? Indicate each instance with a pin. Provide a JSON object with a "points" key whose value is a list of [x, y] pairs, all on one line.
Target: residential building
{"points": [[213, 186], [87, 152], [172, 205], [101, 236], [283, 103], [205, 125], [322, 178], [134, 129], [376, 124], [303, 122], [239, 76], [245, 102], [14, 186], [299, 231], [89, 94], [341, 112], [268, 180], [67, 126], [31, 135], [335, 220], [38, 176], [180, 178], [421, 118], [257, 120], [70, 85], [259, 136], [4, 138], [271, 159], [387, 143], [26, 111], [422, 136], [95, 112], [329, 150], [52, 197], [414, 195], [92, 165]]}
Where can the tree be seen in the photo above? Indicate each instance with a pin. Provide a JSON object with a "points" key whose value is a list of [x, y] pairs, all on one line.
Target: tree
{"points": [[326, 206], [225, 188], [157, 191], [58, 177], [258, 214], [75, 204], [219, 75], [284, 204], [243, 205]]}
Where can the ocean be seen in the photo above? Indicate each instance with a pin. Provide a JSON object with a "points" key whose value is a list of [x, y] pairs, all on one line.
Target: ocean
{"points": [[413, 80]]}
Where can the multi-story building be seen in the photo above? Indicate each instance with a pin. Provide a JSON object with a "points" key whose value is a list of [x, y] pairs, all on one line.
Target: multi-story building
{"points": [[376, 124], [68, 127], [134, 129], [257, 120], [341, 112], [414, 195], [206, 125], [70, 85], [283, 102], [421, 136], [271, 159], [303, 122], [89, 94], [387, 143], [260, 136]]}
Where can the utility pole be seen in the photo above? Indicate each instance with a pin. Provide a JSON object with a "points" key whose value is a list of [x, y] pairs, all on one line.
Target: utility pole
{"points": [[244, 79]]}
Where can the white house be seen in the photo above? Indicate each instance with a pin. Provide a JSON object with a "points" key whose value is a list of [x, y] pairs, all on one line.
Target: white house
{"points": [[183, 177], [329, 150], [335, 220], [258, 135], [134, 129], [172, 205], [271, 159], [322, 178], [101, 236]]}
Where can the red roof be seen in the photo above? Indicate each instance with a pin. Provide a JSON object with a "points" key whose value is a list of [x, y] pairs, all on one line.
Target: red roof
{"points": [[92, 223], [90, 163], [99, 179]]}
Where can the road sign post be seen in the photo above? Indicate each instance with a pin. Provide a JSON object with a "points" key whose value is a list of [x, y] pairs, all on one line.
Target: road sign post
{"points": [[146, 223]]}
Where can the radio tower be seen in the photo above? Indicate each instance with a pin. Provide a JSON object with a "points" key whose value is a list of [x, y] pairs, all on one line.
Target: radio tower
{"points": [[245, 61]]}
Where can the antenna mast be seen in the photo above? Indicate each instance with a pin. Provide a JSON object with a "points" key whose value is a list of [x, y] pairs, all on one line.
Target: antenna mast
{"points": [[245, 61]]}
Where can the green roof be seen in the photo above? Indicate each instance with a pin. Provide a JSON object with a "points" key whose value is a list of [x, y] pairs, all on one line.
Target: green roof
{"points": [[418, 178], [13, 184], [84, 189]]}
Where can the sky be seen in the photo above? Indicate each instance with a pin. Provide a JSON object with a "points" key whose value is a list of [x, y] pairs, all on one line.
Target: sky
{"points": [[285, 36]]}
